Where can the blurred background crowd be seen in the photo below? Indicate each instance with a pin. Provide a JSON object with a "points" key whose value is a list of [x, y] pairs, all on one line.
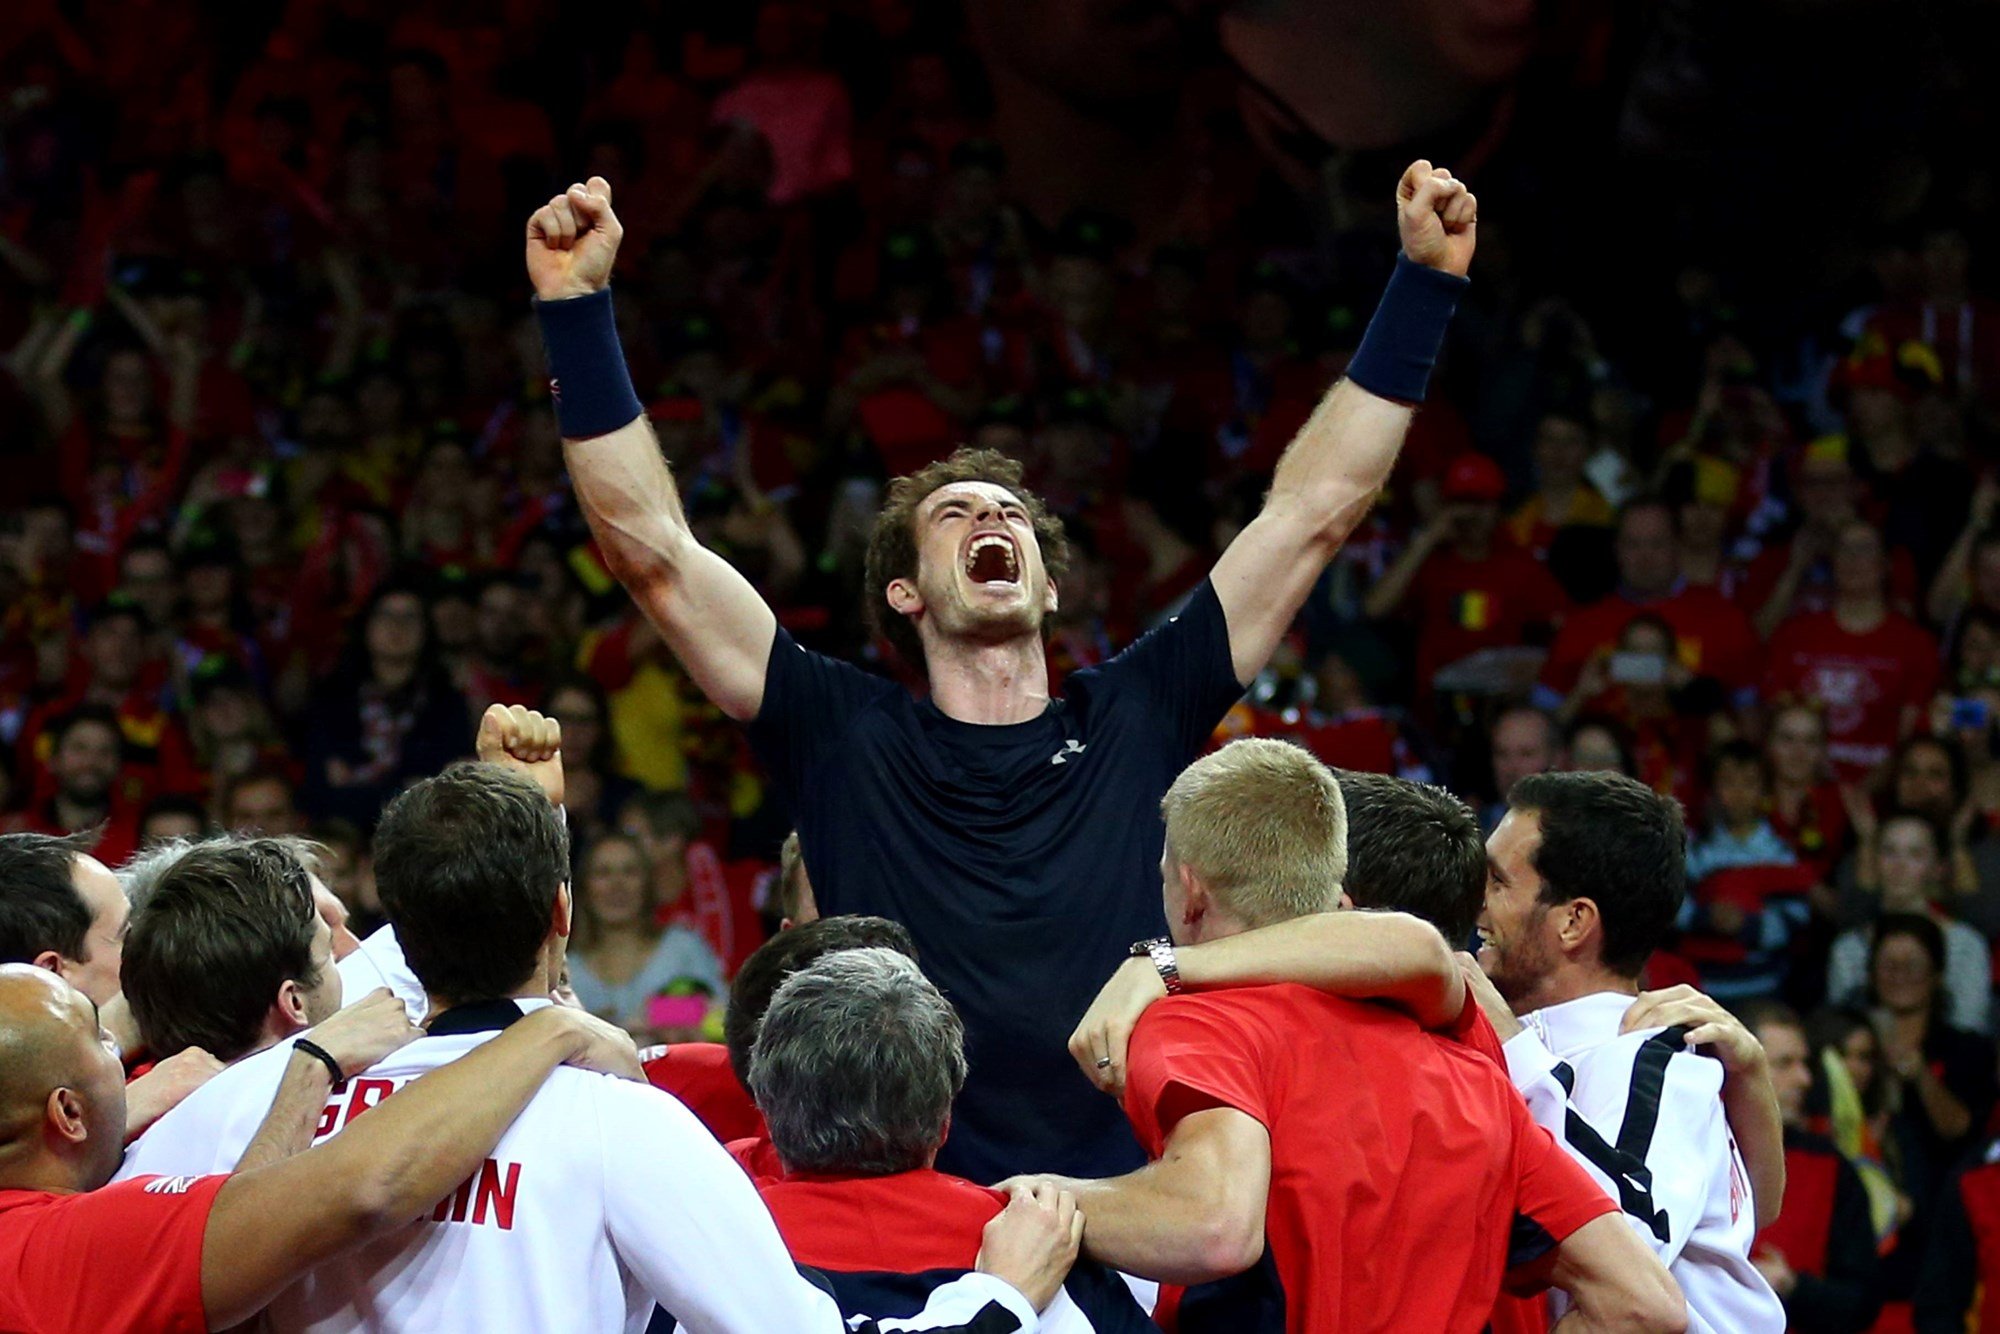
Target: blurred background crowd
{"points": [[1705, 490]]}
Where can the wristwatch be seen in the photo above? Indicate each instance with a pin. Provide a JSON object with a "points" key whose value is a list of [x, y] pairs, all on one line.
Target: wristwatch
{"points": [[1160, 950]]}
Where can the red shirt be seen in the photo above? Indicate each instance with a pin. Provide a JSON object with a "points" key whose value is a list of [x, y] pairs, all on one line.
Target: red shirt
{"points": [[1512, 1314], [1712, 635], [758, 1158], [1466, 605], [1862, 682], [1402, 1164], [127, 1257], [906, 1234], [905, 1223], [1815, 593], [699, 1074]]}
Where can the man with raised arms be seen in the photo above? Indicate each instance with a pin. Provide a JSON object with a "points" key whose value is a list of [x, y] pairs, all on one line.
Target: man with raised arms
{"points": [[1015, 834]]}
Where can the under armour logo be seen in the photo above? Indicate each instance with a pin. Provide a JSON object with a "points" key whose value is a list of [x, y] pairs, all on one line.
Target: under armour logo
{"points": [[1069, 748], [170, 1185]]}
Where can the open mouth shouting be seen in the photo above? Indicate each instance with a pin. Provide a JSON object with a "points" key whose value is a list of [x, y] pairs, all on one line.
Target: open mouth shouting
{"points": [[991, 558]]}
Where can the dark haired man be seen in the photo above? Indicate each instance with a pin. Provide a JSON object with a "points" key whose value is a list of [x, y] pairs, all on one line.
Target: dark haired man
{"points": [[603, 1197], [1416, 849], [229, 952], [62, 910], [86, 755], [713, 1078], [1586, 877], [1015, 834], [1357, 1173], [1713, 633]]}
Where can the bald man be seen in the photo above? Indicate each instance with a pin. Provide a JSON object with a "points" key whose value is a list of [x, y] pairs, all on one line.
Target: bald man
{"points": [[175, 1254]]}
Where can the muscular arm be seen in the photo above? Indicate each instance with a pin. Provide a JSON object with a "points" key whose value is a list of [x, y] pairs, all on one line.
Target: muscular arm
{"points": [[1338, 463], [272, 1223], [1615, 1283], [1194, 1216], [710, 615], [1384, 956], [1324, 485]]}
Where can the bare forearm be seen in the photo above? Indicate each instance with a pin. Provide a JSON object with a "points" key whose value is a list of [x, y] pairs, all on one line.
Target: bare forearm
{"points": [[1341, 458], [1947, 590], [1751, 1105], [1615, 1284], [1394, 585], [1139, 1224], [1364, 955], [441, 1126], [288, 1127], [628, 495], [1779, 605]]}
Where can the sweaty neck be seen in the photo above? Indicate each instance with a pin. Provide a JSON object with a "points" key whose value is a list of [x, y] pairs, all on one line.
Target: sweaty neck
{"points": [[994, 684]]}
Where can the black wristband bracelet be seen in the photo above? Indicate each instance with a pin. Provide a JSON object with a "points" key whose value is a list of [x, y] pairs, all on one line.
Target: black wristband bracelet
{"points": [[1402, 342], [323, 1056], [588, 378]]}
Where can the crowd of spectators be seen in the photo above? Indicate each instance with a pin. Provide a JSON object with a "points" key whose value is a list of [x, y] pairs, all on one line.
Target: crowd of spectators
{"points": [[1705, 492]]}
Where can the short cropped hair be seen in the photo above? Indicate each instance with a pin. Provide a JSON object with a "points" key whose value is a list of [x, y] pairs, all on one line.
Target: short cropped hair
{"points": [[1614, 841], [468, 865], [1262, 823], [219, 929], [892, 544], [39, 906], [1414, 848], [786, 953], [857, 1064]]}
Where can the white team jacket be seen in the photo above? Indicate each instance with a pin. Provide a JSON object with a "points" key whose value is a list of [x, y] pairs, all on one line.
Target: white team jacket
{"points": [[603, 1197], [1644, 1116]]}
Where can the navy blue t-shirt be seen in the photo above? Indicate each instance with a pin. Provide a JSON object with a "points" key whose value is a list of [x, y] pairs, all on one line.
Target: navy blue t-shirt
{"points": [[1023, 858]]}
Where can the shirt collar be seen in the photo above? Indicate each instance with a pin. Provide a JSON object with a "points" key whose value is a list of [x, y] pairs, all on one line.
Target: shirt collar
{"points": [[1574, 1027], [484, 1016]]}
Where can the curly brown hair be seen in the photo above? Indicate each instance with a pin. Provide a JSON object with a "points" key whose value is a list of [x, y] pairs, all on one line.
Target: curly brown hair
{"points": [[892, 545]]}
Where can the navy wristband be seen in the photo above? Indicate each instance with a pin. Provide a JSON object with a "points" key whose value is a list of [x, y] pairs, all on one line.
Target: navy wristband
{"points": [[588, 379], [1402, 342]]}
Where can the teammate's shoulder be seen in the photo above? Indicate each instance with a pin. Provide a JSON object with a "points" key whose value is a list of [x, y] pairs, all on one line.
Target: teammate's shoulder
{"points": [[1664, 1049]]}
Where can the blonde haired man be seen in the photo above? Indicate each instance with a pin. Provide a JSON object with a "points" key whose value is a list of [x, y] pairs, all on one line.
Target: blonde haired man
{"points": [[1342, 1167]]}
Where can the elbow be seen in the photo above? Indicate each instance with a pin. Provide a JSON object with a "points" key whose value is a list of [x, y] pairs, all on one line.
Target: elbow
{"points": [[636, 561], [1436, 992], [1655, 1305], [372, 1203], [1229, 1241]]}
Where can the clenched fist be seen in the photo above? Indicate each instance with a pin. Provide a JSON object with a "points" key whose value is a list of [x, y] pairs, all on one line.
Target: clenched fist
{"points": [[1437, 218], [572, 241], [518, 738]]}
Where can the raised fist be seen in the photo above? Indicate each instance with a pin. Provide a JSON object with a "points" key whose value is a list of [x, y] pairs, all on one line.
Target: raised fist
{"points": [[518, 738], [1437, 218], [572, 241]]}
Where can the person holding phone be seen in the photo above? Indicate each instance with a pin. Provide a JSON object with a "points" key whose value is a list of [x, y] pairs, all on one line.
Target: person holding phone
{"points": [[1642, 683], [658, 982]]}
